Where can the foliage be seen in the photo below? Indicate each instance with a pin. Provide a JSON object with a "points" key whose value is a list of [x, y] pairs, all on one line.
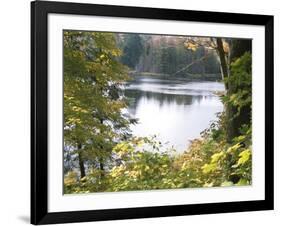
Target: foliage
{"points": [[230, 164], [143, 164], [166, 55], [240, 95], [132, 48], [97, 131], [93, 120]]}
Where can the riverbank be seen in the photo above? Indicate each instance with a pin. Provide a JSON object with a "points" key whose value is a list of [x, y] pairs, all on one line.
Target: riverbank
{"points": [[186, 77]]}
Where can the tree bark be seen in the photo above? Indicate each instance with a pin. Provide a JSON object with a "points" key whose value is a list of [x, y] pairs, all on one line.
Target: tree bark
{"points": [[229, 110], [101, 167], [223, 64], [81, 162], [234, 122], [238, 48]]}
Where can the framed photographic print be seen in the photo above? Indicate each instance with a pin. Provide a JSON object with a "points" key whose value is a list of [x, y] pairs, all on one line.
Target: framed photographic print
{"points": [[145, 112]]}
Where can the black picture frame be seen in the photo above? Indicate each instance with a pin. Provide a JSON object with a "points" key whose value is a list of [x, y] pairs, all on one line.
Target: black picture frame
{"points": [[39, 112]]}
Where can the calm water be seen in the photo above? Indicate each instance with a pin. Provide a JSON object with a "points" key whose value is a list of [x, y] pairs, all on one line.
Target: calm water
{"points": [[176, 111]]}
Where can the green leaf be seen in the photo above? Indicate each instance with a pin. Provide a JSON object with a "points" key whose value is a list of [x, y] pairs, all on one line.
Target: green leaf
{"points": [[244, 157], [242, 182], [216, 157], [226, 183], [207, 168], [233, 148]]}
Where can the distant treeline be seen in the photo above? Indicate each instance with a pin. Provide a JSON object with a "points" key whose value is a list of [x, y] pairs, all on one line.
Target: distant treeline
{"points": [[158, 54]]}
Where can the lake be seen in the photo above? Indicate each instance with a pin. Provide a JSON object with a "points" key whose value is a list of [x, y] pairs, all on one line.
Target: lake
{"points": [[174, 110]]}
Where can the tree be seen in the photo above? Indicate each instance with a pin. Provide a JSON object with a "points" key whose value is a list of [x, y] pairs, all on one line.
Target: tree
{"points": [[168, 60], [240, 85], [93, 120], [96, 132], [222, 56], [228, 52], [132, 50]]}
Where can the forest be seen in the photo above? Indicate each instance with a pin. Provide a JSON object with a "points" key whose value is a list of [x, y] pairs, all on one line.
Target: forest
{"points": [[166, 55], [102, 153]]}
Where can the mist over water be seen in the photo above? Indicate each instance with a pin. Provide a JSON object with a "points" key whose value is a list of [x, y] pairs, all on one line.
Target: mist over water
{"points": [[174, 110]]}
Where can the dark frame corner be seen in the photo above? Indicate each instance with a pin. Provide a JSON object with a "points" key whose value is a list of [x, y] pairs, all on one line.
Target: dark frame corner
{"points": [[39, 109]]}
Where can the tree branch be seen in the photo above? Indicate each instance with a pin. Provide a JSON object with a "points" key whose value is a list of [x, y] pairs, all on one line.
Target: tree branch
{"points": [[194, 62]]}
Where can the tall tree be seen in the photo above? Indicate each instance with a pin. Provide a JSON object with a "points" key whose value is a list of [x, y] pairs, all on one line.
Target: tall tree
{"points": [[132, 50], [93, 120], [239, 86], [230, 51], [222, 56]]}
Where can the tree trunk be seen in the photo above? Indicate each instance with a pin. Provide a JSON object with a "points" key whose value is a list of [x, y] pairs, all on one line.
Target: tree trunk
{"points": [[234, 122], [101, 168], [223, 64], [81, 162], [229, 110], [238, 48], [101, 158]]}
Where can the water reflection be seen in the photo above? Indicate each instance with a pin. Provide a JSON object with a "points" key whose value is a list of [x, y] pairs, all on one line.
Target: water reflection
{"points": [[177, 111]]}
